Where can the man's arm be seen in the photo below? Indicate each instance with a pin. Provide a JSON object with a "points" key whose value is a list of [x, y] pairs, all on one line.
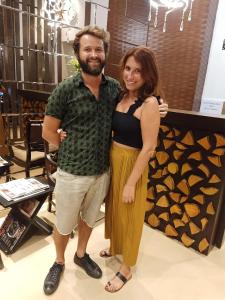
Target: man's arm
{"points": [[49, 131]]}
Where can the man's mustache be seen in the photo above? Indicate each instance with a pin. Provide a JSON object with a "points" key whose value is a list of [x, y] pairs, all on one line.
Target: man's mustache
{"points": [[94, 59]]}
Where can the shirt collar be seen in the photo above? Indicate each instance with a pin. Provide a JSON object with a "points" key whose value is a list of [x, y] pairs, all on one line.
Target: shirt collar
{"points": [[78, 80]]}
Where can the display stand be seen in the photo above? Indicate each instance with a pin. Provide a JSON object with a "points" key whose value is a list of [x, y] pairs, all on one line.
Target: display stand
{"points": [[22, 220], [4, 171]]}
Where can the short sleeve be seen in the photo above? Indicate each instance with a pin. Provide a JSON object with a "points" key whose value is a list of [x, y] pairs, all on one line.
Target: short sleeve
{"points": [[118, 87], [57, 102], [115, 91]]}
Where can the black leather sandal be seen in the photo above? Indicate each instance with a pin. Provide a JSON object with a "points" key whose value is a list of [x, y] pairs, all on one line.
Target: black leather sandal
{"points": [[122, 278]]}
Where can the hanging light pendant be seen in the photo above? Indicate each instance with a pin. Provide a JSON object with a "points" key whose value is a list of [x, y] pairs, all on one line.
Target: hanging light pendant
{"points": [[170, 6], [60, 12]]}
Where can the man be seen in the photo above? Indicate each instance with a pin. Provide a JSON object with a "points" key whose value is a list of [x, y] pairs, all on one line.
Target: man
{"points": [[82, 105]]}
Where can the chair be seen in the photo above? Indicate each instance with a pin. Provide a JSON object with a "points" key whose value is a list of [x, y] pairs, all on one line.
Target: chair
{"points": [[30, 154], [3, 146]]}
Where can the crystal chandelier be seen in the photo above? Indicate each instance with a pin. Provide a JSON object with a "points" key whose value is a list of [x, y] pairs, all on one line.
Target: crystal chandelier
{"points": [[60, 12], [170, 6]]}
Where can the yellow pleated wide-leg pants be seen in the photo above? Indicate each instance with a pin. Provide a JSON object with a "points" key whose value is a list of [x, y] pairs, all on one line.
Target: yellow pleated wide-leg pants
{"points": [[124, 222]]}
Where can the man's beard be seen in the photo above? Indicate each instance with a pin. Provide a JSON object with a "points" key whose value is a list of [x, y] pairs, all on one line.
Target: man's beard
{"points": [[95, 71]]}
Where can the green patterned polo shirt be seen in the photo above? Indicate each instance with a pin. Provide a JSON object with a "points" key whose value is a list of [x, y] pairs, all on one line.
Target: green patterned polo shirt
{"points": [[87, 122]]}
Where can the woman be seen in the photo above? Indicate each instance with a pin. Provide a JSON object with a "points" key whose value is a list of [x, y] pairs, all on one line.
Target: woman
{"points": [[135, 125]]}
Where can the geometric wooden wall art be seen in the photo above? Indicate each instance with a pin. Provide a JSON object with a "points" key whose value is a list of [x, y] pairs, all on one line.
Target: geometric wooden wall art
{"points": [[185, 191]]}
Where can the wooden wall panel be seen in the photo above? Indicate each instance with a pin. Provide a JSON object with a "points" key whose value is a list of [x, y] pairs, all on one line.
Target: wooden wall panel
{"points": [[59, 58], [127, 30], [182, 56], [40, 60], [8, 53], [1, 42], [32, 59], [137, 10], [118, 6], [87, 17], [1, 26], [127, 33], [17, 42], [48, 67], [36, 66], [25, 29], [119, 48]]}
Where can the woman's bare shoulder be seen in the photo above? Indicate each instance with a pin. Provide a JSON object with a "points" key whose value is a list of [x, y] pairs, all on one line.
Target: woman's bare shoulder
{"points": [[151, 102]]}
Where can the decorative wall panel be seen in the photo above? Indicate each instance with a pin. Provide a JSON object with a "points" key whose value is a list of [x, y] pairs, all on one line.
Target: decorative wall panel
{"points": [[186, 188], [182, 56], [127, 29], [137, 10]]}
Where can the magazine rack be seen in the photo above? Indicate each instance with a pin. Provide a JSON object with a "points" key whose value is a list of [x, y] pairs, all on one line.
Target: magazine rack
{"points": [[22, 220], [4, 168]]}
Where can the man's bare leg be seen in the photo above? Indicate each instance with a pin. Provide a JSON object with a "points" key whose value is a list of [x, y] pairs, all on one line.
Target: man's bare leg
{"points": [[84, 232], [81, 258], [61, 242], [53, 277]]}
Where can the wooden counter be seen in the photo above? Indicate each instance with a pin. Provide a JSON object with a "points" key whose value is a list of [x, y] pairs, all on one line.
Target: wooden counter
{"points": [[187, 175]]}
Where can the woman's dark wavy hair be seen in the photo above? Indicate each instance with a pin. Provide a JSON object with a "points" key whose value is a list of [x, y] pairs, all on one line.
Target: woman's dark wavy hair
{"points": [[149, 71]]}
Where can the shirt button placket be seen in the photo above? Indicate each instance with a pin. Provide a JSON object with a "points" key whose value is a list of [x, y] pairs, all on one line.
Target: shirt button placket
{"points": [[97, 135]]}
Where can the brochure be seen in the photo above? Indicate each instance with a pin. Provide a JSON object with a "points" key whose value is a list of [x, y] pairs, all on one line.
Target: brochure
{"points": [[20, 188], [11, 231]]}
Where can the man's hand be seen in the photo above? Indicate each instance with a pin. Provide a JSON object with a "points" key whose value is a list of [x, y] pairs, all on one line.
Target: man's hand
{"points": [[163, 108], [62, 134]]}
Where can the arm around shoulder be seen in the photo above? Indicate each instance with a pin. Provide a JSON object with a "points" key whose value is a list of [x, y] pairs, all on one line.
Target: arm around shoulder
{"points": [[163, 108]]}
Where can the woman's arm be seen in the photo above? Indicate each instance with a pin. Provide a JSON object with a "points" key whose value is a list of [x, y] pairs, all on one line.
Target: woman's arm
{"points": [[150, 122]]}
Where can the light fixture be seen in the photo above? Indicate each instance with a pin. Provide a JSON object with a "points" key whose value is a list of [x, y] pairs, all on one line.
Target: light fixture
{"points": [[169, 6], [60, 12]]}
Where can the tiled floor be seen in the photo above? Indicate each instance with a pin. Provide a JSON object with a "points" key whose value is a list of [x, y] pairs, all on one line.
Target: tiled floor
{"points": [[165, 271]]}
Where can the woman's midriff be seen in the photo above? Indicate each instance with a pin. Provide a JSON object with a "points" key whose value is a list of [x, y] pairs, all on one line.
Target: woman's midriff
{"points": [[124, 146]]}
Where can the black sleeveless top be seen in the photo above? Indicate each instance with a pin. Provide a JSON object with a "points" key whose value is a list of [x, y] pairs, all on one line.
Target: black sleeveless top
{"points": [[127, 128]]}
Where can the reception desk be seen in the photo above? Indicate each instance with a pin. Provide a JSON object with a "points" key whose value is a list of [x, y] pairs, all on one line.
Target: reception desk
{"points": [[186, 197]]}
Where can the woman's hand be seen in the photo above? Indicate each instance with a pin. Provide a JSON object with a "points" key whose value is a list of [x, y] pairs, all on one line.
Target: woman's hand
{"points": [[128, 194], [163, 108], [62, 134]]}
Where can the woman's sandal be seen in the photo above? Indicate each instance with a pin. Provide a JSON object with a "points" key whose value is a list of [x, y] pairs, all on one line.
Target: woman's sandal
{"points": [[105, 253], [122, 278]]}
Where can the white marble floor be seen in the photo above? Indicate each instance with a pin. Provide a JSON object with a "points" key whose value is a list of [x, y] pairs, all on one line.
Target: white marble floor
{"points": [[165, 271]]}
